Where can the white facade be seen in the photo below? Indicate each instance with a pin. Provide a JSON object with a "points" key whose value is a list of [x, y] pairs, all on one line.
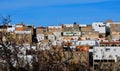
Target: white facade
{"points": [[64, 39], [99, 26], [106, 53], [68, 25], [82, 25], [108, 24], [57, 34], [51, 37], [43, 46], [28, 47], [40, 37], [54, 27], [87, 42], [23, 32], [71, 33], [11, 29], [54, 43], [19, 26]]}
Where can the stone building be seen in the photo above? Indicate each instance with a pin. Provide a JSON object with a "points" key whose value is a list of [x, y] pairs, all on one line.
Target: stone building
{"points": [[40, 33], [23, 34], [88, 33], [3, 28], [70, 31], [56, 30], [115, 31]]}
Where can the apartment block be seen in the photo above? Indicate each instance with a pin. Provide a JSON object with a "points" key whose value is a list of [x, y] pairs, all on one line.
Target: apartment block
{"points": [[105, 58]]}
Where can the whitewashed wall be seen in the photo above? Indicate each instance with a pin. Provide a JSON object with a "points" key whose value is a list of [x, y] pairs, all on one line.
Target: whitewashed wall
{"points": [[107, 53]]}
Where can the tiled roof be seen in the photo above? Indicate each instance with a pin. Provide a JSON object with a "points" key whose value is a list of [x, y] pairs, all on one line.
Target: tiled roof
{"points": [[117, 42]]}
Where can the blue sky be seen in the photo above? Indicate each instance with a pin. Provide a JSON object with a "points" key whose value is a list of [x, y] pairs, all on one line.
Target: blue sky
{"points": [[56, 12]]}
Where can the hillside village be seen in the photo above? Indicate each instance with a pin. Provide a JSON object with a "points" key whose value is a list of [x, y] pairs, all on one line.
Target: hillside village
{"points": [[97, 44]]}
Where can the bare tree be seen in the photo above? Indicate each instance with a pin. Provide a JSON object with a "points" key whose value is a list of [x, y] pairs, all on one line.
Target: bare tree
{"points": [[10, 51], [5, 20]]}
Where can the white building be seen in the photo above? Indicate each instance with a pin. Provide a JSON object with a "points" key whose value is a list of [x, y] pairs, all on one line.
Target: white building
{"points": [[82, 25], [40, 37], [75, 33], [106, 53], [22, 32], [99, 26], [68, 25], [52, 27], [51, 37], [11, 28], [87, 42], [57, 34]]}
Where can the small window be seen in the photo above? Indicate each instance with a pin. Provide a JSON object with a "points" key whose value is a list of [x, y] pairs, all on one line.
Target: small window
{"points": [[103, 56], [44, 31], [114, 49], [107, 49], [110, 56], [96, 55]]}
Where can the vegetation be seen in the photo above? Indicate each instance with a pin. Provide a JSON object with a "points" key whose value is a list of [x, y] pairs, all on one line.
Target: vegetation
{"points": [[14, 57]]}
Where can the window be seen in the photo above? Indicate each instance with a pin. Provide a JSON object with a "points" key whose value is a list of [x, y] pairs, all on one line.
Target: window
{"points": [[107, 49], [110, 56], [100, 36], [114, 49], [96, 55], [44, 31], [103, 56]]}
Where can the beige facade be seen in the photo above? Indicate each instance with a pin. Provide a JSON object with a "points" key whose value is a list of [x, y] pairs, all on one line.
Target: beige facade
{"points": [[68, 27], [54, 28], [88, 33], [23, 38], [87, 28], [70, 31], [23, 34], [41, 30], [29, 28], [3, 28], [115, 31]]}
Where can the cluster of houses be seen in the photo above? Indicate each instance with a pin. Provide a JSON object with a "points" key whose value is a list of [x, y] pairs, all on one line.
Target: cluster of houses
{"points": [[101, 38]]}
